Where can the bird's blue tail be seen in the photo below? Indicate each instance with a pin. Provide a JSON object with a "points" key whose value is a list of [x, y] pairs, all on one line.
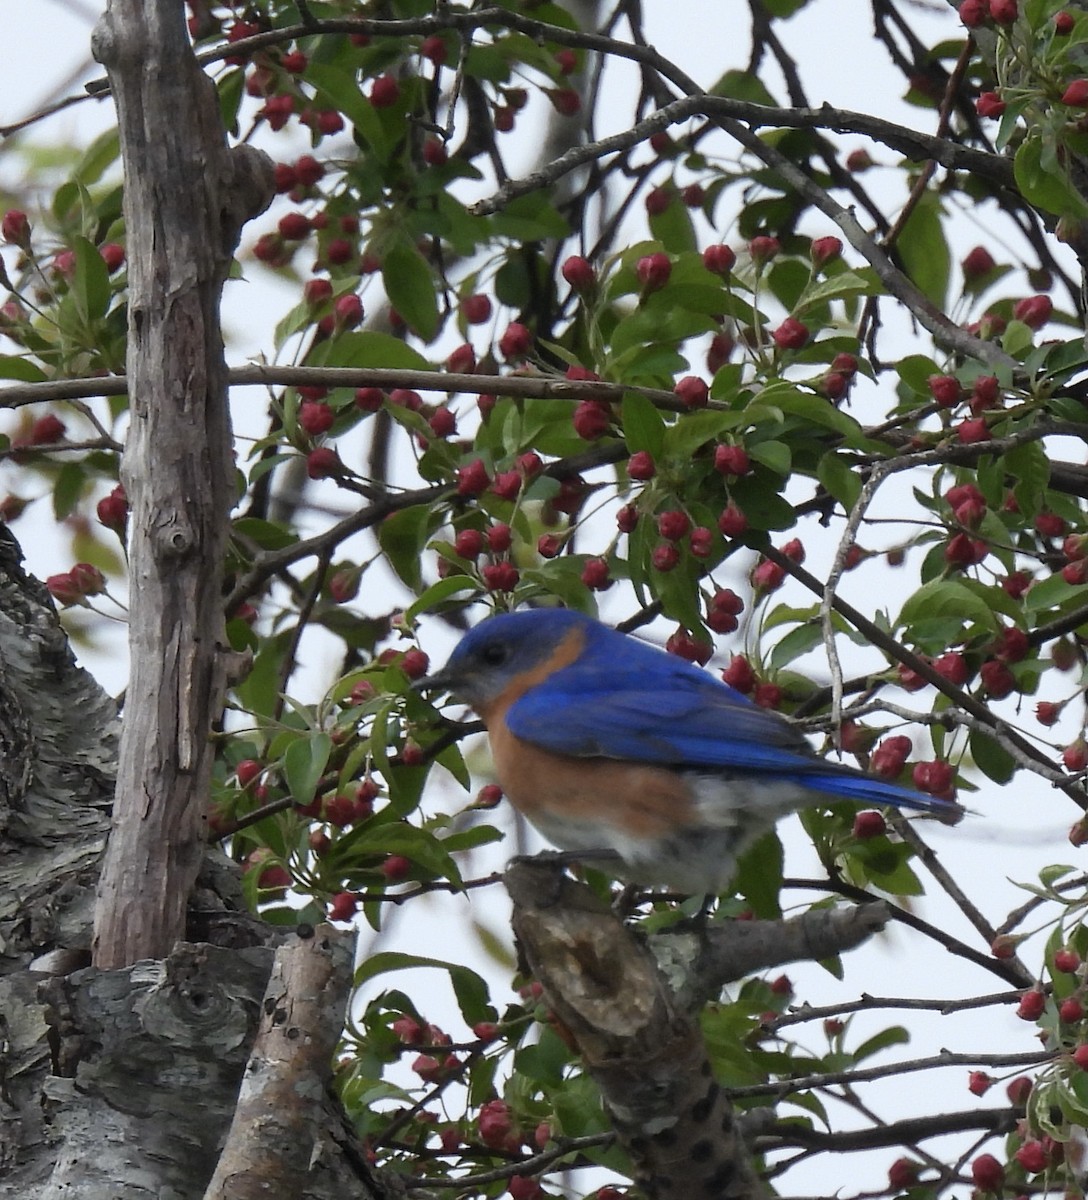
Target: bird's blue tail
{"points": [[868, 789]]}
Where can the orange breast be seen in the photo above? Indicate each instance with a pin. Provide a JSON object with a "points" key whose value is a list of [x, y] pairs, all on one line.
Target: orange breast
{"points": [[641, 800]]}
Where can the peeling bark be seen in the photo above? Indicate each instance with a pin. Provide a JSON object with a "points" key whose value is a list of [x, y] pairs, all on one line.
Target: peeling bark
{"points": [[58, 732], [279, 1143], [123, 1083], [186, 198]]}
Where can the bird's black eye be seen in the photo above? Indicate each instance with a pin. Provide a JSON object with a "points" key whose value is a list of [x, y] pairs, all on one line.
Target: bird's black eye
{"points": [[494, 654]]}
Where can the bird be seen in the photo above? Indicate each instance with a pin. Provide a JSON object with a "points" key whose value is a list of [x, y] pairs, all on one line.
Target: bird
{"points": [[616, 750]]}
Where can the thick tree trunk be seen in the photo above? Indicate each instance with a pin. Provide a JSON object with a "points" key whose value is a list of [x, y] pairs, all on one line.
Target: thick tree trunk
{"points": [[124, 1083], [186, 199]]}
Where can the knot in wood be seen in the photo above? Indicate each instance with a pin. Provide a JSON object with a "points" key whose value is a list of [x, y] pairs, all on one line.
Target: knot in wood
{"points": [[174, 537]]}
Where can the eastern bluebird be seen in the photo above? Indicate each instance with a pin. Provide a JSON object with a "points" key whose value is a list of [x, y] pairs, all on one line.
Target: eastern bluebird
{"points": [[606, 743]]}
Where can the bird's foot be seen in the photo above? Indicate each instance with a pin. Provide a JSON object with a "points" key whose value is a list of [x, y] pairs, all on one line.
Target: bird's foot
{"points": [[561, 859]]}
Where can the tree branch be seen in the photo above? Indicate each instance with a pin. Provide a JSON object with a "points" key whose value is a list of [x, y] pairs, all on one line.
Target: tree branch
{"points": [[280, 1118], [646, 1055], [698, 964]]}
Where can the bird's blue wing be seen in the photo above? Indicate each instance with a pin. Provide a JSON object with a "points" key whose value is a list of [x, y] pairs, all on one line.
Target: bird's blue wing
{"points": [[626, 700], [680, 727]]}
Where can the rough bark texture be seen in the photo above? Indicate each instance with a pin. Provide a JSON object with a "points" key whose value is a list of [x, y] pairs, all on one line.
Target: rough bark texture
{"points": [[644, 1050], [147, 1061], [58, 747], [186, 199]]}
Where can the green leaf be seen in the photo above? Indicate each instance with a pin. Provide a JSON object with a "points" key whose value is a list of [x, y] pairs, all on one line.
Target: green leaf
{"points": [[230, 87], [14, 367], [67, 489], [885, 863], [652, 326], [775, 455], [267, 535], [896, 1035], [1029, 465], [403, 537], [924, 251], [91, 281], [410, 287], [759, 876], [991, 758], [797, 642], [812, 408], [1053, 591], [1043, 183], [674, 228], [1018, 338], [764, 507], [258, 691], [338, 88], [368, 349], [696, 429], [915, 370], [530, 218], [840, 478], [437, 593], [946, 598], [743, 85], [398, 837], [472, 838], [1049, 876], [305, 763], [784, 8], [643, 425], [469, 988], [846, 283]]}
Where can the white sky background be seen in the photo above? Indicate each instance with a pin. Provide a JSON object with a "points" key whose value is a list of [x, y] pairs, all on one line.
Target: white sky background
{"points": [[1018, 830]]}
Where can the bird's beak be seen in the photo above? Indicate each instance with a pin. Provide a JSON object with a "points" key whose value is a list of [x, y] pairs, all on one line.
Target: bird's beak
{"points": [[440, 681]]}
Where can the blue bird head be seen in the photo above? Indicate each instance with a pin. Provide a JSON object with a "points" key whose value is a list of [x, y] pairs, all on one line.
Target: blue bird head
{"points": [[498, 652]]}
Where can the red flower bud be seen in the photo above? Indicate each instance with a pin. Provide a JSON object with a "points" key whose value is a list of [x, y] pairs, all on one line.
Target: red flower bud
{"points": [[945, 389], [987, 1173], [731, 460], [641, 465], [763, 249], [791, 334], [579, 273], [653, 271], [719, 259], [1031, 1006], [739, 674], [825, 250], [869, 824], [515, 342], [989, 104], [731, 521], [1035, 311], [693, 391]]}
